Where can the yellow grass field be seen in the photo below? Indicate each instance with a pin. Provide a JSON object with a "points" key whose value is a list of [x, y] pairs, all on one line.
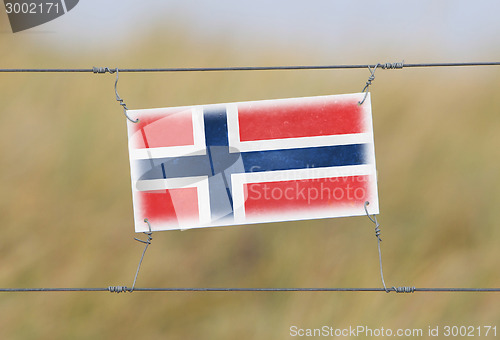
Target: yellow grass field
{"points": [[66, 209]]}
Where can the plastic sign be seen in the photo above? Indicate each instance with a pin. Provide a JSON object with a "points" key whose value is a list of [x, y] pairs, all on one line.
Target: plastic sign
{"points": [[252, 162]]}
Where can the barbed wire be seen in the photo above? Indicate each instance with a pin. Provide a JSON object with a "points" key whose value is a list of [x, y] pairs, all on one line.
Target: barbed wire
{"points": [[398, 65]]}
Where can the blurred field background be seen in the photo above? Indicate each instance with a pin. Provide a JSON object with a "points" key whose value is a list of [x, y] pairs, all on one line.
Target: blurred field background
{"points": [[66, 210]]}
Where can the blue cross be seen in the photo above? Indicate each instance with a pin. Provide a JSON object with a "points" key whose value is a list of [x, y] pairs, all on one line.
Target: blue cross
{"points": [[221, 161]]}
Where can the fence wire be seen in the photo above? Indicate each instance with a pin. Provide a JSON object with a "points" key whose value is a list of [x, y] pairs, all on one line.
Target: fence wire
{"points": [[397, 65], [122, 289]]}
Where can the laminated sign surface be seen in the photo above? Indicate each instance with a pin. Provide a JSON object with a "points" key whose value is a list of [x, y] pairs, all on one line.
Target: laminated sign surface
{"points": [[252, 162]]}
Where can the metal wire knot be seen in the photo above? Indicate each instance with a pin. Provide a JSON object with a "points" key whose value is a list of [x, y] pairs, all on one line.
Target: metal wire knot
{"points": [[404, 289], [117, 289], [368, 83], [385, 66], [392, 66], [374, 220], [103, 70], [148, 233]]}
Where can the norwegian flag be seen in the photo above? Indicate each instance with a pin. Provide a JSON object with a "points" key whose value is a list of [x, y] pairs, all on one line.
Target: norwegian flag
{"points": [[252, 162]]}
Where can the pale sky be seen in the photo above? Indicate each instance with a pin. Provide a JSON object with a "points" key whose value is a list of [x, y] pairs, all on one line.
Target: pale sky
{"points": [[422, 30]]}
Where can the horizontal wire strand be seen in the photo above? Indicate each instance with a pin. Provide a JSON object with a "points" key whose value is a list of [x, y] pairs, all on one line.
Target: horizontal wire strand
{"points": [[125, 289], [248, 68]]}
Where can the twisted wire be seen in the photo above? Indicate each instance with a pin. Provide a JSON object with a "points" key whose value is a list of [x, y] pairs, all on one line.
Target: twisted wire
{"points": [[103, 70], [404, 289], [117, 289], [118, 99], [147, 242], [368, 83], [379, 239], [377, 234], [392, 66]]}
